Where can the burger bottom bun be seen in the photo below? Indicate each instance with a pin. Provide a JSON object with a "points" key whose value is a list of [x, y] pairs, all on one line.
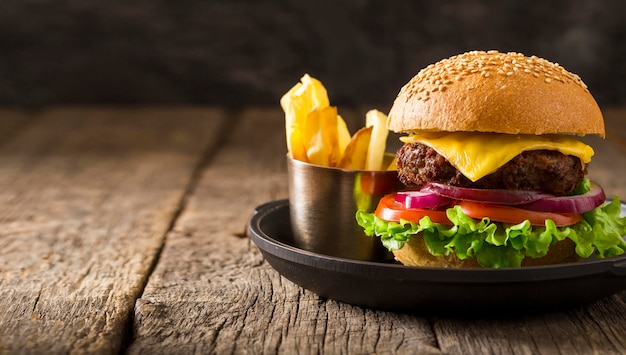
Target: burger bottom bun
{"points": [[415, 253]]}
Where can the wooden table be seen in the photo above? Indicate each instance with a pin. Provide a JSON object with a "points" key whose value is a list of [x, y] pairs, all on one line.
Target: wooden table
{"points": [[123, 230]]}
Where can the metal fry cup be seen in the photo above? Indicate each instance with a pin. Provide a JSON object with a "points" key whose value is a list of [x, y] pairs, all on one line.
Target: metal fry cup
{"points": [[323, 202]]}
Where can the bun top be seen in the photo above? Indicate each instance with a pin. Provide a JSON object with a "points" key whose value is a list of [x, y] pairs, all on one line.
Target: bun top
{"points": [[496, 92]]}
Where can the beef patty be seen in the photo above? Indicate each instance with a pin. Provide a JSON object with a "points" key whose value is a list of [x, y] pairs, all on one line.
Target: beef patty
{"points": [[543, 170]]}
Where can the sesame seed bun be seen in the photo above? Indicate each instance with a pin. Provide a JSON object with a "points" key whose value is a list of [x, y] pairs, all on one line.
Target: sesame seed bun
{"points": [[496, 92]]}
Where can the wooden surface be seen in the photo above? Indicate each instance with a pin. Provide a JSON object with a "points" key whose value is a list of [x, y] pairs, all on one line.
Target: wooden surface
{"points": [[123, 231]]}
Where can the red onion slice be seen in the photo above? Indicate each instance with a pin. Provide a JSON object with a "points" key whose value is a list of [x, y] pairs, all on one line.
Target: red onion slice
{"points": [[420, 199], [570, 204], [495, 196]]}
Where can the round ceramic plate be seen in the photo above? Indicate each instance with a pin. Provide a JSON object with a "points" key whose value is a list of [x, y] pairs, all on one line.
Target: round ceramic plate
{"points": [[391, 286]]}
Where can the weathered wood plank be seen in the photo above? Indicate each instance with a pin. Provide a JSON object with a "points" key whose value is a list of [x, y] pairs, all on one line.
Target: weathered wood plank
{"points": [[212, 292], [86, 197], [593, 329]]}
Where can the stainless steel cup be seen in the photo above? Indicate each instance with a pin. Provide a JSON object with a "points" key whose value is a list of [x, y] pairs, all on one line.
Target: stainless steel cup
{"points": [[323, 202]]}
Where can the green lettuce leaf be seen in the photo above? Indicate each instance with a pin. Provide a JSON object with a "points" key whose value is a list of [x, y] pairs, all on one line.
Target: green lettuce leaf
{"points": [[497, 244]]}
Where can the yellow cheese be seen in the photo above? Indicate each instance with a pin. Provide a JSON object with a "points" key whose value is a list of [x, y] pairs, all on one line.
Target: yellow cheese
{"points": [[477, 154]]}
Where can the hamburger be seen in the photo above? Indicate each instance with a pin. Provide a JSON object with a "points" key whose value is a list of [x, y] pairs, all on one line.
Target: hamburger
{"points": [[494, 170]]}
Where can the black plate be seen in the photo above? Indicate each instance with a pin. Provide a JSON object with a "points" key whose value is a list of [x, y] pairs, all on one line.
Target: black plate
{"points": [[392, 286]]}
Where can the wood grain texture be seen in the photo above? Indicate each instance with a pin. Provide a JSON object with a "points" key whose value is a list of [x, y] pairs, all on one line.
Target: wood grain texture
{"points": [[212, 292], [593, 329], [86, 197], [123, 230]]}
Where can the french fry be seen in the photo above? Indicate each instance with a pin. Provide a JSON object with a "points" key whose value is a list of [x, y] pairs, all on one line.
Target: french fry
{"points": [[317, 134], [392, 165], [378, 142], [295, 144], [297, 103], [320, 137], [343, 134], [355, 156]]}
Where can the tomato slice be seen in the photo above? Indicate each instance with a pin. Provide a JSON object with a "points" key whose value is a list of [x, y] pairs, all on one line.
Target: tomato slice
{"points": [[390, 210], [516, 215]]}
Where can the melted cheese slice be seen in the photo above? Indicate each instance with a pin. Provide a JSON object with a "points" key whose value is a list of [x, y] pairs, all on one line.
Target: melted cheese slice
{"points": [[477, 154]]}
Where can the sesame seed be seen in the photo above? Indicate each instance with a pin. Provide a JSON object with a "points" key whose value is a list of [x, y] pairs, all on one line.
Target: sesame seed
{"points": [[438, 76]]}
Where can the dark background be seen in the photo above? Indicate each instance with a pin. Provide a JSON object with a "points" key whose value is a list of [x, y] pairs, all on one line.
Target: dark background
{"points": [[242, 52]]}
